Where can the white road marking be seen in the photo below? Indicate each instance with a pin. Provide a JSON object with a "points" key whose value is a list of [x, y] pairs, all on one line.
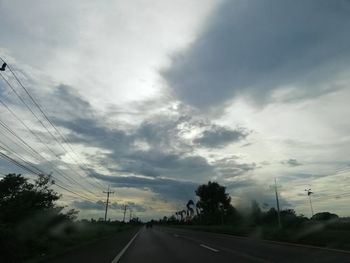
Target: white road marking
{"points": [[210, 248], [121, 253], [228, 236]]}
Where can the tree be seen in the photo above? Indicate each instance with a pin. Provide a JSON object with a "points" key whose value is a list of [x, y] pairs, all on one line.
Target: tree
{"points": [[198, 208], [214, 201], [324, 216], [182, 214], [256, 213], [270, 217], [190, 210], [291, 219], [20, 199], [28, 212]]}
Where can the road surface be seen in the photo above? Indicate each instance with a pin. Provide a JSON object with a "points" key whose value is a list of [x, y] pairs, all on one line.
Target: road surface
{"points": [[167, 245], [100, 251]]}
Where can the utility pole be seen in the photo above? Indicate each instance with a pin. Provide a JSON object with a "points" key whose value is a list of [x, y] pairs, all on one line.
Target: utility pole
{"points": [[278, 206], [124, 213], [108, 192], [309, 193]]}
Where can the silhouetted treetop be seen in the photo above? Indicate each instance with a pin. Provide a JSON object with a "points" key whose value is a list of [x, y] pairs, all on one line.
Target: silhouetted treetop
{"points": [[213, 197], [324, 216], [20, 199]]}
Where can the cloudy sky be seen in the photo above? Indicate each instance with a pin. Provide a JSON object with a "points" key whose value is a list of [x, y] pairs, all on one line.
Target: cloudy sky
{"points": [[156, 97]]}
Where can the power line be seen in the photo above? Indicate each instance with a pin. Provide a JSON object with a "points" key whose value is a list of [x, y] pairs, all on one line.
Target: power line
{"points": [[72, 192], [30, 109], [6, 148], [107, 201], [27, 128], [40, 121], [31, 131], [17, 163], [46, 117], [42, 124], [37, 172], [5, 156], [72, 180]]}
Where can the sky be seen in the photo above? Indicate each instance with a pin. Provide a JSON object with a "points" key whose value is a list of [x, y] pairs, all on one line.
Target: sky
{"points": [[157, 97]]}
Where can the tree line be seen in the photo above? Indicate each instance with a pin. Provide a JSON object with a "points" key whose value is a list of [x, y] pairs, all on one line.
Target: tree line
{"points": [[214, 207], [33, 225]]}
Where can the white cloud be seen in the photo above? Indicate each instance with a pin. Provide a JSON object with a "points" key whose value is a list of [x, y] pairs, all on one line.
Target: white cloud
{"points": [[95, 67], [110, 51]]}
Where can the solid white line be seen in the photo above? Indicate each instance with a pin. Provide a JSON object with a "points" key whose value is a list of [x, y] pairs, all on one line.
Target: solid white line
{"points": [[121, 253], [210, 248]]}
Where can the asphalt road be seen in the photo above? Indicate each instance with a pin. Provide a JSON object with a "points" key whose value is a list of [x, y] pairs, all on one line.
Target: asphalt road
{"points": [[166, 245], [100, 251]]}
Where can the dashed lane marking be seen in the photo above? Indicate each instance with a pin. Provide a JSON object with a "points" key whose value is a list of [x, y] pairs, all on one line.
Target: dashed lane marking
{"points": [[210, 248], [121, 253]]}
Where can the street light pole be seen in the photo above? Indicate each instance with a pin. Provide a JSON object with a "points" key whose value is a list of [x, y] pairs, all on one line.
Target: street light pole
{"points": [[309, 193], [278, 206], [124, 213]]}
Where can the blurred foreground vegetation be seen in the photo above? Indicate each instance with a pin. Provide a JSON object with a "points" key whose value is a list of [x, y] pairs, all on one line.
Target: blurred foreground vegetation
{"points": [[32, 226]]}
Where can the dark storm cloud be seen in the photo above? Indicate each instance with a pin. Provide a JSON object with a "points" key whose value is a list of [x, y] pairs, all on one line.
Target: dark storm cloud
{"points": [[218, 136], [231, 167], [67, 102], [91, 131], [88, 205], [169, 161], [255, 47], [69, 110], [153, 162], [159, 160], [169, 164], [248, 189], [166, 153], [291, 162], [135, 207], [99, 205], [162, 132], [167, 189]]}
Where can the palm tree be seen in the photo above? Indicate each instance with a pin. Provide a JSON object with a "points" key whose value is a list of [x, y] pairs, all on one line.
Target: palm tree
{"points": [[198, 210], [190, 210], [177, 215], [182, 214]]}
